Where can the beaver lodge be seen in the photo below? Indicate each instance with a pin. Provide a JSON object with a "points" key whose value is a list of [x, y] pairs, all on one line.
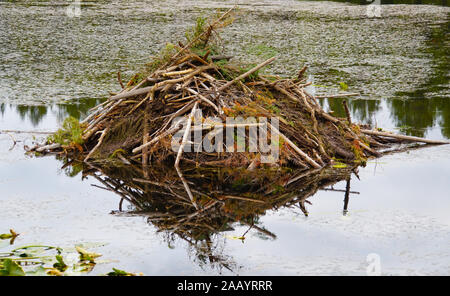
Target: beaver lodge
{"points": [[192, 107]]}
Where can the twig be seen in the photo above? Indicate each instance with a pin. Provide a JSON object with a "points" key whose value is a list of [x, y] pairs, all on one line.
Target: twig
{"points": [[301, 72], [244, 198], [119, 78], [251, 71], [14, 142], [203, 98], [337, 96]]}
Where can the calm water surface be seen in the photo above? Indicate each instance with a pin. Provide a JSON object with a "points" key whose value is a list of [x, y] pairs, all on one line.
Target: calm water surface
{"points": [[53, 66]]}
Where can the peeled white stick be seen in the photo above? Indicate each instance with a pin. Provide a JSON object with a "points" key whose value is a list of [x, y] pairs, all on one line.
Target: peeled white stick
{"points": [[155, 139], [298, 150], [203, 98], [48, 147], [98, 144], [186, 134], [402, 137]]}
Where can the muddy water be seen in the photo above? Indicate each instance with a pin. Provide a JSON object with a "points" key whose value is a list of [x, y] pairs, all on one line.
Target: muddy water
{"points": [[53, 65]]}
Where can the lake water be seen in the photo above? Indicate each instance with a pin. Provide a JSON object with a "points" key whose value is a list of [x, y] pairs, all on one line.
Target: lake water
{"points": [[53, 65]]}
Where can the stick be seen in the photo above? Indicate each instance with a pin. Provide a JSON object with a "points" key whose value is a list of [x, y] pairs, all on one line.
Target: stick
{"points": [[301, 72], [100, 118], [25, 132], [338, 96], [119, 78], [186, 134], [96, 110], [181, 111], [48, 147], [98, 144], [251, 71], [402, 137], [154, 140], [182, 72], [298, 150], [244, 198], [132, 93], [123, 159], [347, 111], [145, 137], [364, 146], [154, 87], [203, 98]]}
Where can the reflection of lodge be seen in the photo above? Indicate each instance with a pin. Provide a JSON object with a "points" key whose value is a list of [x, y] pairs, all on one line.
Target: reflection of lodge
{"points": [[222, 197]]}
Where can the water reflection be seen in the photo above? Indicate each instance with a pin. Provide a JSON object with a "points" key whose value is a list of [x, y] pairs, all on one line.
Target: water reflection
{"points": [[413, 117], [228, 198], [424, 112], [36, 114]]}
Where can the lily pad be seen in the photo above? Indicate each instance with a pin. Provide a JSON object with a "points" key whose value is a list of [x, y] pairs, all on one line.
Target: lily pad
{"points": [[11, 268]]}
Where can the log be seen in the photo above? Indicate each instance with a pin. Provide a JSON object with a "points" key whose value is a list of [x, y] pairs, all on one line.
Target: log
{"points": [[48, 147], [403, 137], [132, 93], [144, 90]]}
